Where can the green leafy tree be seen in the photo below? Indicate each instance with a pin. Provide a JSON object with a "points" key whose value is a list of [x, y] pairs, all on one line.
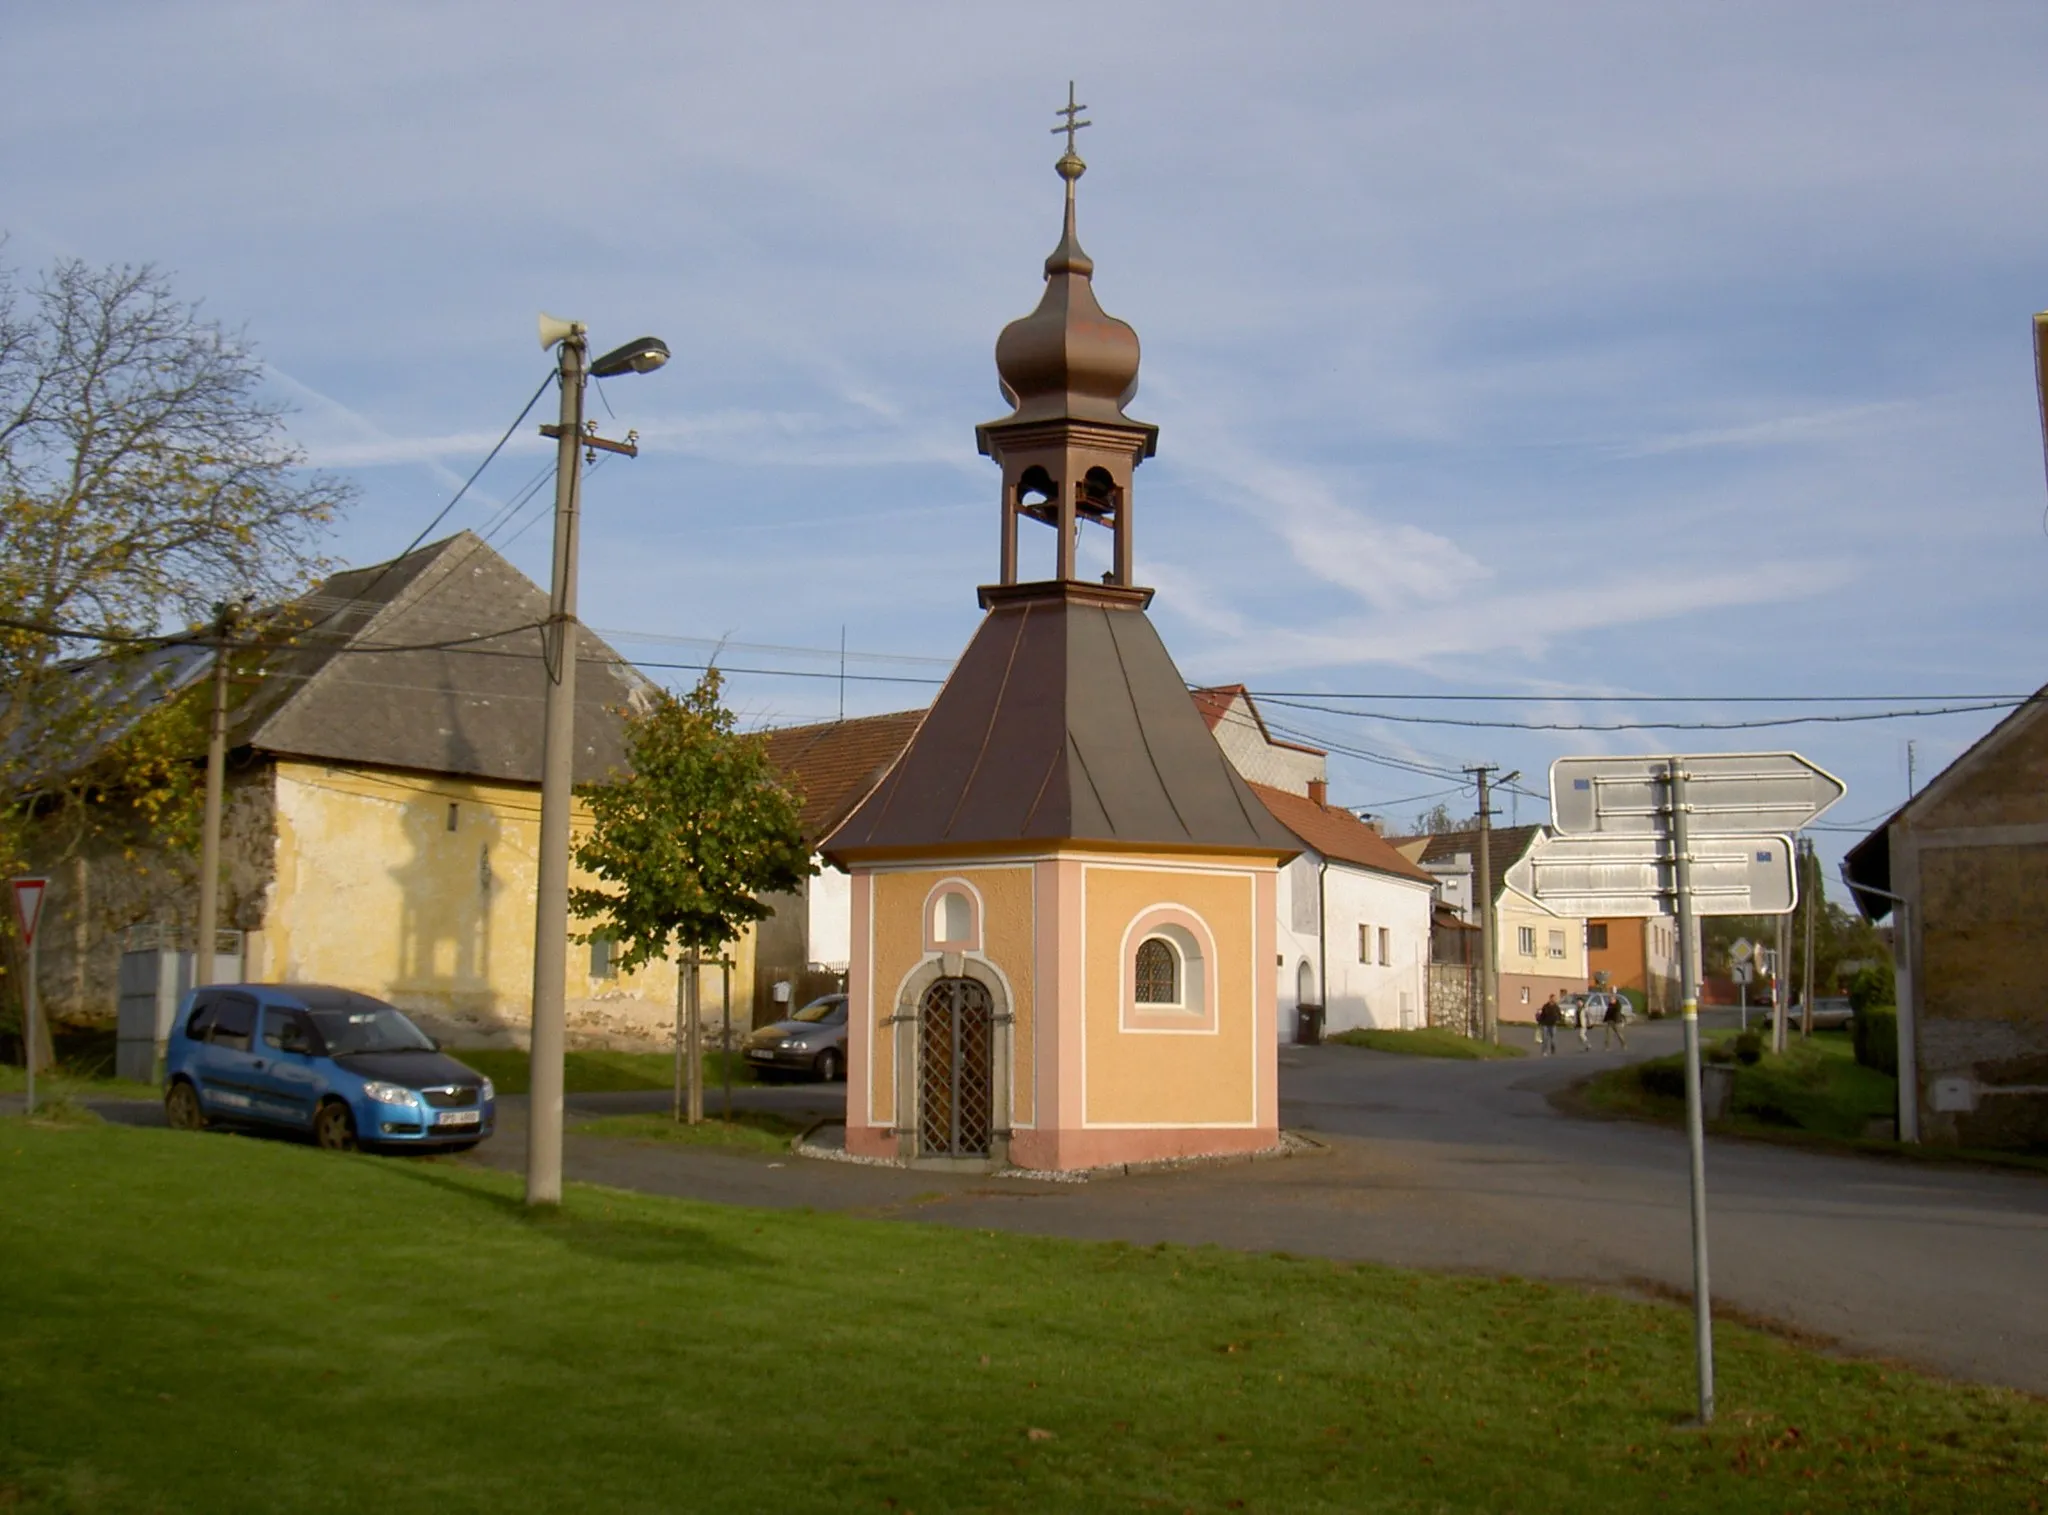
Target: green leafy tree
{"points": [[689, 839]]}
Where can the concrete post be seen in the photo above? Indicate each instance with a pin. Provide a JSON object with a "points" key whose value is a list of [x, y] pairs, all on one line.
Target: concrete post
{"points": [[558, 751]]}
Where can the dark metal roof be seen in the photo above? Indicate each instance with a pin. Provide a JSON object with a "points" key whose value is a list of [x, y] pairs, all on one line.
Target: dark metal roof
{"points": [[473, 708], [1064, 720]]}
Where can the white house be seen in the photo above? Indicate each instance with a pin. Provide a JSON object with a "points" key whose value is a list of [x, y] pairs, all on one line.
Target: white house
{"points": [[1354, 920]]}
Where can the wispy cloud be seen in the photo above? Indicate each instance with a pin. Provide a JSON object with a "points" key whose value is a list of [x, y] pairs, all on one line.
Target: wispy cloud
{"points": [[1810, 428]]}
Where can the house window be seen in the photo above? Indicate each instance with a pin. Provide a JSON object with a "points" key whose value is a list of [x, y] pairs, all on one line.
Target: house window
{"points": [[604, 957], [1365, 944], [1525, 940], [454, 815], [1596, 936], [1158, 972], [1386, 947], [1525, 994], [1556, 944]]}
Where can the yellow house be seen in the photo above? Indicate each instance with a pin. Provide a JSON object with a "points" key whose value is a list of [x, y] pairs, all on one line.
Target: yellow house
{"points": [[383, 814], [1063, 895]]}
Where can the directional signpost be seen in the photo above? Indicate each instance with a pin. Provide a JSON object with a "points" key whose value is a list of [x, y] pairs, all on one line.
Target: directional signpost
{"points": [[1681, 836], [28, 913]]}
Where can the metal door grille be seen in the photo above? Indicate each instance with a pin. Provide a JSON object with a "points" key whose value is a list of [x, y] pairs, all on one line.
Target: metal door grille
{"points": [[956, 1083]]}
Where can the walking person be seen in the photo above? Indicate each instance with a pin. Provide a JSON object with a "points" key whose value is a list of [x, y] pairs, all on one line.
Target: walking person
{"points": [[1612, 1022], [1580, 1013], [1546, 1025]]}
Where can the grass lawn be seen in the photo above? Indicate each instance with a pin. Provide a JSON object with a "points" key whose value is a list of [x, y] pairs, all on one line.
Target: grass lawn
{"points": [[749, 1130], [595, 1072], [1431, 1041], [1816, 1094], [64, 1083], [204, 1322]]}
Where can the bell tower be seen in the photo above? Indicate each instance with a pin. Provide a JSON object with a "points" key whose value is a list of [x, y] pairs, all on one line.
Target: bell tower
{"points": [[1067, 450]]}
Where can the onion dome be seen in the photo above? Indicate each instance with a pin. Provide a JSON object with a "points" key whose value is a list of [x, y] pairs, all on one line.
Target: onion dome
{"points": [[1068, 360]]}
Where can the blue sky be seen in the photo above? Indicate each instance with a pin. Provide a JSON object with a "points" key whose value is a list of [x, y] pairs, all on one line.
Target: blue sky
{"points": [[1674, 350]]}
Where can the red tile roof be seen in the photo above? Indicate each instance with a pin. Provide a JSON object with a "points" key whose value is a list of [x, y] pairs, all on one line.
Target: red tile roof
{"points": [[836, 764], [1338, 834], [1215, 703]]}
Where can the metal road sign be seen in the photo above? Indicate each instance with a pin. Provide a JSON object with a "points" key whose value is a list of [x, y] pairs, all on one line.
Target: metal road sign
{"points": [[1727, 792], [1636, 875], [1740, 949], [28, 906]]}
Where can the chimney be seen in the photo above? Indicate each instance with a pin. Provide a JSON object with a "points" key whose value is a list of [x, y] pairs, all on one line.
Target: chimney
{"points": [[1319, 792]]}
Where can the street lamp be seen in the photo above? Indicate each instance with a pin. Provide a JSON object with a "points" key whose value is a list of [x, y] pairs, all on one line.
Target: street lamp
{"points": [[558, 749]]}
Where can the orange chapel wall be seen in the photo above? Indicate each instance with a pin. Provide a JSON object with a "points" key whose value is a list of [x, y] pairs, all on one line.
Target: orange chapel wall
{"points": [[896, 925], [1152, 1070]]}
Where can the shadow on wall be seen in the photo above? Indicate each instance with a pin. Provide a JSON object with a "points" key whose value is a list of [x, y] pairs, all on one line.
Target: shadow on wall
{"points": [[447, 892]]}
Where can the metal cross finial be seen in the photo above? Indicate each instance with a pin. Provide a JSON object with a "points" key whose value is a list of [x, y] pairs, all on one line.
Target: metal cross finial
{"points": [[1073, 124]]}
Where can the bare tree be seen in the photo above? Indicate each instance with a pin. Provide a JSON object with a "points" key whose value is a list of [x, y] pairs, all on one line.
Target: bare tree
{"points": [[145, 474]]}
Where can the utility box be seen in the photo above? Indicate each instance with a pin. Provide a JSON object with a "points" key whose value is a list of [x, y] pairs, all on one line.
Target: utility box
{"points": [[156, 971]]}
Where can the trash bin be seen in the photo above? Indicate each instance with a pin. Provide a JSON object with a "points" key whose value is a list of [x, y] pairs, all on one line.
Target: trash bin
{"points": [[1308, 1025], [1717, 1084]]}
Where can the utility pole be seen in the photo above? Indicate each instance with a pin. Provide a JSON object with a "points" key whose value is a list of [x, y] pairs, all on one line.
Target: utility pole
{"points": [[1813, 887], [558, 740], [558, 751], [1781, 983], [216, 784], [1482, 885]]}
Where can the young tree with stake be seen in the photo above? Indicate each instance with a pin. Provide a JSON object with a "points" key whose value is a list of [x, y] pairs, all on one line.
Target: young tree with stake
{"points": [[685, 843]]}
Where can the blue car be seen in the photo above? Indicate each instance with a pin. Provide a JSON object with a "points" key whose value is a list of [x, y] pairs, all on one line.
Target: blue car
{"points": [[350, 1070]]}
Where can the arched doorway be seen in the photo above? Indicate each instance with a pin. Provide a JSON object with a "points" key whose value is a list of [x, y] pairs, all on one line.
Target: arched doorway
{"points": [[1305, 984], [956, 1069]]}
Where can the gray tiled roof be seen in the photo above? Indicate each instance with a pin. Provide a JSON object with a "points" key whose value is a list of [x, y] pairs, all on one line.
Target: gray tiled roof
{"points": [[370, 679]]}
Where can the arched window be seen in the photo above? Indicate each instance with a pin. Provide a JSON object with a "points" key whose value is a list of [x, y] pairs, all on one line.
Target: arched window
{"points": [[953, 919], [1159, 973]]}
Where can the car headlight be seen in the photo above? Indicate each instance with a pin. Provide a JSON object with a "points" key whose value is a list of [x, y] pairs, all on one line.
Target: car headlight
{"points": [[792, 1044], [389, 1094], [487, 1093]]}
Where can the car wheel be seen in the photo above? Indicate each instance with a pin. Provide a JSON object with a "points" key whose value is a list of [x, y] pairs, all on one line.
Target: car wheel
{"points": [[334, 1128], [831, 1068], [182, 1108]]}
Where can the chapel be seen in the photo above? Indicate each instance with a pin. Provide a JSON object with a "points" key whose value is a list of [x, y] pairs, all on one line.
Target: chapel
{"points": [[1063, 892]]}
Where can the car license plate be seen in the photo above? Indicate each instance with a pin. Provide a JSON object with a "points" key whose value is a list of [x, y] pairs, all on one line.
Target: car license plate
{"points": [[458, 1118], [760, 1054]]}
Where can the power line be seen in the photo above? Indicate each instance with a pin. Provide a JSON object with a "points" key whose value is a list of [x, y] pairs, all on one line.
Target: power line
{"points": [[1832, 718], [1629, 699], [442, 514]]}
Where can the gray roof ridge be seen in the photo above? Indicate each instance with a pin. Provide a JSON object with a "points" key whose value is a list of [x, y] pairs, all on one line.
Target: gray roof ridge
{"points": [[407, 596]]}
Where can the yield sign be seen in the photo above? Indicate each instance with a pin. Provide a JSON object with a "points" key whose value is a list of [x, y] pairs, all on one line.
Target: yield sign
{"points": [[28, 906], [1726, 792]]}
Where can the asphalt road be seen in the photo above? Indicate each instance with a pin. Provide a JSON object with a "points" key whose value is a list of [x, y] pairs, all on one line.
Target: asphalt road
{"points": [[1468, 1166]]}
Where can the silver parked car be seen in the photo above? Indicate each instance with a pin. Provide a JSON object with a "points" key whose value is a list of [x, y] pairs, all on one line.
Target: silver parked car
{"points": [[811, 1043]]}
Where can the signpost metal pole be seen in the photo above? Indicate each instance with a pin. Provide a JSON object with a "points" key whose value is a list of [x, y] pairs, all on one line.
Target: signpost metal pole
{"points": [[1695, 1125], [28, 1024], [725, 1030], [28, 896]]}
